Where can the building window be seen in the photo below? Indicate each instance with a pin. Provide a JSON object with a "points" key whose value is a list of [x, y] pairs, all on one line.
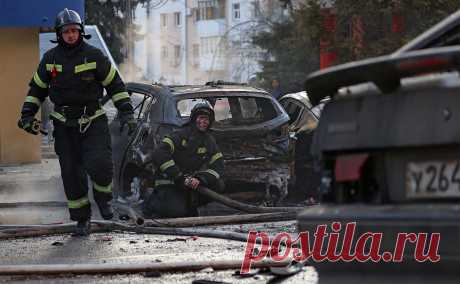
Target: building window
{"points": [[196, 54], [196, 50], [210, 10], [176, 55], [177, 19], [164, 52], [256, 12], [164, 20], [236, 11], [210, 45]]}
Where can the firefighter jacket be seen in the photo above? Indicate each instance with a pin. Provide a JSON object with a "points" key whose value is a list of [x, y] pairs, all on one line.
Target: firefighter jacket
{"points": [[76, 78], [189, 152]]}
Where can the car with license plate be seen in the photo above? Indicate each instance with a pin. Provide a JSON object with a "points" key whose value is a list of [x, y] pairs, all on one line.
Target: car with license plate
{"points": [[389, 146], [251, 130]]}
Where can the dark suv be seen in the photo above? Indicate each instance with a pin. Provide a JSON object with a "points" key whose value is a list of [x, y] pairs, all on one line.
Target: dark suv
{"points": [[389, 145]]}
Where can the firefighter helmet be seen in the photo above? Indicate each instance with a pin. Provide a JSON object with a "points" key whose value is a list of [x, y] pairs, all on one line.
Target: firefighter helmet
{"points": [[203, 108], [68, 17]]}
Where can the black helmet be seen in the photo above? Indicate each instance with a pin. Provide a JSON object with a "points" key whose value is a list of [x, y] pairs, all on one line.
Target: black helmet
{"points": [[202, 108], [68, 17]]}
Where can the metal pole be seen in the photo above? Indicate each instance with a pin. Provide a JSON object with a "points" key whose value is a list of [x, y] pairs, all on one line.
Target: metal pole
{"points": [[185, 43]]}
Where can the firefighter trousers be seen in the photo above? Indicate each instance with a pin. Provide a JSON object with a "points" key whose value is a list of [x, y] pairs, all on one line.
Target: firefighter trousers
{"points": [[82, 154], [171, 201]]}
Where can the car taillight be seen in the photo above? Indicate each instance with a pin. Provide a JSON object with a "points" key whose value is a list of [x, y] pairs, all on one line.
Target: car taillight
{"points": [[348, 167], [417, 64]]}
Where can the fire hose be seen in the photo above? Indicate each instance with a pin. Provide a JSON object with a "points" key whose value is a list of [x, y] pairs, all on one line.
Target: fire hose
{"points": [[277, 213]]}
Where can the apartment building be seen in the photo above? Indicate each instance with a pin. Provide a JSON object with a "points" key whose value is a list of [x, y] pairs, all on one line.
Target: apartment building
{"points": [[194, 41]]}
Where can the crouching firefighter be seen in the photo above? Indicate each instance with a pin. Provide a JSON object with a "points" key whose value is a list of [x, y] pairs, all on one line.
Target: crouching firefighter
{"points": [[186, 159], [74, 74]]}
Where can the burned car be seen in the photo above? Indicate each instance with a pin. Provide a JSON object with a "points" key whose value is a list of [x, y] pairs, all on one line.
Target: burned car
{"points": [[303, 120], [251, 129], [389, 147]]}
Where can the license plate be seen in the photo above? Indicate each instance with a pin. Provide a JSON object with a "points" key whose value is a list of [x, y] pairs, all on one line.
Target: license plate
{"points": [[433, 179]]}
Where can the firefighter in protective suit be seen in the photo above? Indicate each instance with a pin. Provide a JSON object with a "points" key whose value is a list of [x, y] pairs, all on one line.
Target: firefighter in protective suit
{"points": [[74, 74], [186, 159]]}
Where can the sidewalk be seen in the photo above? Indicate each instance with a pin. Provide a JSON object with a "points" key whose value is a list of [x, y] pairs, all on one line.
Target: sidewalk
{"points": [[34, 193]]}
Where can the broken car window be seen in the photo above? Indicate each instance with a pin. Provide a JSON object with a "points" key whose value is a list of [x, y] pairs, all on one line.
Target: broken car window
{"points": [[233, 110], [140, 104]]}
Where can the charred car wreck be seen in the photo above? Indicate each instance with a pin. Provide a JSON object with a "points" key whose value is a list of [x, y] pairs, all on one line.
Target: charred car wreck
{"points": [[251, 129], [303, 120]]}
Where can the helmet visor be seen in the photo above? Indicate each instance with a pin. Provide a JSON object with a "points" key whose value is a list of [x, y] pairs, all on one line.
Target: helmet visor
{"points": [[70, 27]]}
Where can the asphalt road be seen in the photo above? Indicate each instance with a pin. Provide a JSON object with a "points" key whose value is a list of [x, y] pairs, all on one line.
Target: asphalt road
{"points": [[22, 184], [124, 248]]}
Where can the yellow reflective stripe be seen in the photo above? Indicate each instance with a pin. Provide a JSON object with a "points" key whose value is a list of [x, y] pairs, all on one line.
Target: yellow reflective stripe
{"points": [[101, 188], [84, 120], [213, 172], [58, 116], [167, 165], [49, 67], [110, 76], [85, 67], [34, 100], [215, 157], [184, 142], [169, 141], [201, 150], [39, 81], [163, 182], [120, 96], [79, 203], [98, 113]]}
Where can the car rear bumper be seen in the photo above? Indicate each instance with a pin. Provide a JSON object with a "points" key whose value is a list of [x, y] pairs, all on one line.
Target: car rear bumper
{"points": [[391, 220]]}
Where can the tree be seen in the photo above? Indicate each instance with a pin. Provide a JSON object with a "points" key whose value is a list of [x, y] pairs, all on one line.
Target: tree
{"points": [[113, 17], [292, 48], [365, 28], [386, 24]]}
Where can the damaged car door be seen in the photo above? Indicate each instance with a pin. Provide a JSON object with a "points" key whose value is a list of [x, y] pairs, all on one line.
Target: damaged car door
{"points": [[123, 146], [303, 119]]}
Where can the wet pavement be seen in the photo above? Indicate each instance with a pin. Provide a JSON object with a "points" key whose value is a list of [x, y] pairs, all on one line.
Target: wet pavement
{"points": [[117, 248], [33, 194]]}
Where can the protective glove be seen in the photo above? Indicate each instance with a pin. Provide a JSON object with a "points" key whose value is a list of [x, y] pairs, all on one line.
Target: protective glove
{"points": [[30, 124], [127, 119], [192, 182], [179, 181]]}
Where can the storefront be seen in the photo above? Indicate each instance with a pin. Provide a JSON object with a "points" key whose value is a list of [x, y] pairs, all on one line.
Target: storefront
{"points": [[20, 24]]}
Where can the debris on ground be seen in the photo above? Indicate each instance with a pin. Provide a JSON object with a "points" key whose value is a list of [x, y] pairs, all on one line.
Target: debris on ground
{"points": [[152, 274]]}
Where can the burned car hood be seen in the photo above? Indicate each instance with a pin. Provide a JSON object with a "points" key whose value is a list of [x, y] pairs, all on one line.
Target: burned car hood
{"points": [[249, 147]]}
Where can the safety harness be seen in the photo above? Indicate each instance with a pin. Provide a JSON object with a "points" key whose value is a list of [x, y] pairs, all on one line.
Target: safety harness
{"points": [[78, 116]]}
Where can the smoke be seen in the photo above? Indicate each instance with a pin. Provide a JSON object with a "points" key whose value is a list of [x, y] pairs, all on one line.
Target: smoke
{"points": [[26, 184]]}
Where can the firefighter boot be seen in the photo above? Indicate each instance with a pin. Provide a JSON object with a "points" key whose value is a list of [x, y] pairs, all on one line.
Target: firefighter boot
{"points": [[106, 210], [83, 228]]}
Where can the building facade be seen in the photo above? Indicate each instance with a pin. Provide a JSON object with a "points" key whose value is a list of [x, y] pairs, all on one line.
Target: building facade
{"points": [[194, 41]]}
